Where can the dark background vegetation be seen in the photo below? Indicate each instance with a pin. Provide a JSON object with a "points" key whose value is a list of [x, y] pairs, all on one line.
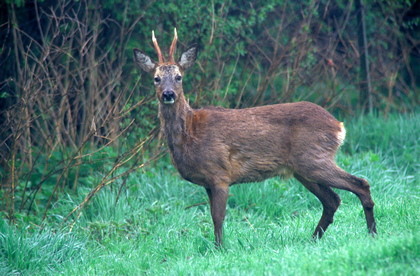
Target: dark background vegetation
{"points": [[76, 112]]}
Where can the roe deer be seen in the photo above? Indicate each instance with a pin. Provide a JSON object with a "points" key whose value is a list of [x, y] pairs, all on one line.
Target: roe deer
{"points": [[215, 147]]}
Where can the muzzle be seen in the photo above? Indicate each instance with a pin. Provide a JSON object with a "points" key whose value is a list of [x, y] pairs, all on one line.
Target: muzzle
{"points": [[168, 97]]}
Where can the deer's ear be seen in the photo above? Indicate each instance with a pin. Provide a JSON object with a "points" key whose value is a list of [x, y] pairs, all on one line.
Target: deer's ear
{"points": [[188, 57], [144, 61]]}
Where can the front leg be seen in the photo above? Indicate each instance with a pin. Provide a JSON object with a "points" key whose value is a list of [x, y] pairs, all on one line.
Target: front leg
{"points": [[218, 197]]}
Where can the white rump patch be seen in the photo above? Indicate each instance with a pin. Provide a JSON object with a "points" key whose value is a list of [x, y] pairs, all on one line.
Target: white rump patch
{"points": [[341, 135]]}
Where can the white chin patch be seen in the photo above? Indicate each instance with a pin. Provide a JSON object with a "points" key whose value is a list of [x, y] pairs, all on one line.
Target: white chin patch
{"points": [[169, 102]]}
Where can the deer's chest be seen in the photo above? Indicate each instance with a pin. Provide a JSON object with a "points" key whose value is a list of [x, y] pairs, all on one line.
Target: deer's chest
{"points": [[187, 166]]}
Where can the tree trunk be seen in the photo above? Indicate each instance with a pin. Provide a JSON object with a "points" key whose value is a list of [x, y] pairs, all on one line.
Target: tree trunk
{"points": [[365, 94]]}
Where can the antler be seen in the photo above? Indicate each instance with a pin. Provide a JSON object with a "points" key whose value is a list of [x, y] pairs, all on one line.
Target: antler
{"points": [[159, 53], [173, 47]]}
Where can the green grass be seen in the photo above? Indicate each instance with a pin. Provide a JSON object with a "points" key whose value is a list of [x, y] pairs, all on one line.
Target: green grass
{"points": [[267, 229]]}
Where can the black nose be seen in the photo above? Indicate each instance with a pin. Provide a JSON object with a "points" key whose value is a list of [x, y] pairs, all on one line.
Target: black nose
{"points": [[168, 96]]}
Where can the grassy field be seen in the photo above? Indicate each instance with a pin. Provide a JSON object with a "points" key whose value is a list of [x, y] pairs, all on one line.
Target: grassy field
{"points": [[155, 228]]}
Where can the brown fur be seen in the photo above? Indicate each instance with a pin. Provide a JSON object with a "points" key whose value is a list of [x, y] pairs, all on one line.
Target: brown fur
{"points": [[216, 147]]}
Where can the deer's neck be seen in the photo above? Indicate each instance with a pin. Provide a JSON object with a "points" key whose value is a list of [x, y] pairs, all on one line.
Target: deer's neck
{"points": [[173, 120]]}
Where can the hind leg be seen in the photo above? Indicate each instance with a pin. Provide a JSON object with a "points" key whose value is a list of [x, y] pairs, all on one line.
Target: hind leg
{"points": [[361, 188], [332, 176], [330, 202]]}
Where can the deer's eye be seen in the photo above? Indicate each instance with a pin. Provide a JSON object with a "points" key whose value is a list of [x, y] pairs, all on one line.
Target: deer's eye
{"points": [[178, 78], [157, 79]]}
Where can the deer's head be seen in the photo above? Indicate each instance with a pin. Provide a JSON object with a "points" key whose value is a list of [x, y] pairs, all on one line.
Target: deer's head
{"points": [[167, 75]]}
